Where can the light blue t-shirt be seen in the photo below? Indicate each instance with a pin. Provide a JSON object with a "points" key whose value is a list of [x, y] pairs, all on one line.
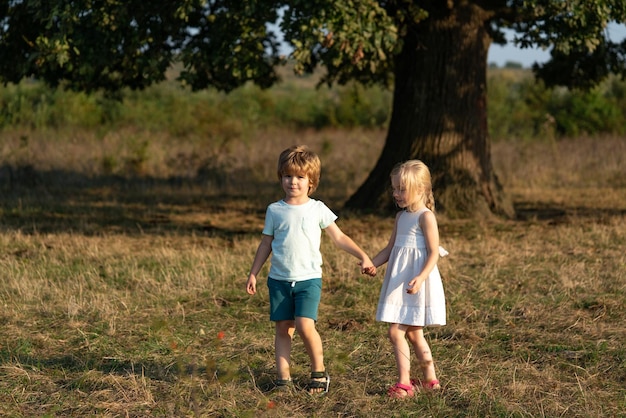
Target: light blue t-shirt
{"points": [[297, 232]]}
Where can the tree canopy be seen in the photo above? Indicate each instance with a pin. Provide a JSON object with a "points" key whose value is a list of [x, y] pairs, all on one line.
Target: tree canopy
{"points": [[432, 53], [110, 44]]}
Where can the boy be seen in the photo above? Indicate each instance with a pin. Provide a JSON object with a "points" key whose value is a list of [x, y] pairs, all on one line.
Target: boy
{"points": [[292, 234]]}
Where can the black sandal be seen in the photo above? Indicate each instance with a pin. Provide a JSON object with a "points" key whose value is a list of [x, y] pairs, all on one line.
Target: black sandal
{"points": [[283, 384], [318, 384]]}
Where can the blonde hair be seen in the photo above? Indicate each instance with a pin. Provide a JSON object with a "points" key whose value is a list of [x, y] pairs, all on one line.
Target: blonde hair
{"points": [[300, 160], [414, 176]]}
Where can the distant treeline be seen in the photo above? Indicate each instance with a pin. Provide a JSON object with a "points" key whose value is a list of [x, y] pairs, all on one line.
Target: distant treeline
{"points": [[519, 107]]}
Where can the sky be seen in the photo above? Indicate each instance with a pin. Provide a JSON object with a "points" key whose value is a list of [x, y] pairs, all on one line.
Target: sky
{"points": [[500, 55]]}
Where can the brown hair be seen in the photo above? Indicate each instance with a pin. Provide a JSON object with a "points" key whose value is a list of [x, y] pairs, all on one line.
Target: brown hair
{"points": [[300, 160], [414, 176]]}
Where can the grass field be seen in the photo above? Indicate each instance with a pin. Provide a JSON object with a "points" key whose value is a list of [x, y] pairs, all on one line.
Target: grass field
{"points": [[123, 261]]}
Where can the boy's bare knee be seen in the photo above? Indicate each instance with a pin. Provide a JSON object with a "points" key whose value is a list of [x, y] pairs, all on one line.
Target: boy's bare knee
{"points": [[285, 328]]}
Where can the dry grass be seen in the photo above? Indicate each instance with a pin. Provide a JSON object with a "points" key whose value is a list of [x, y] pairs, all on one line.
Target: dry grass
{"points": [[122, 290]]}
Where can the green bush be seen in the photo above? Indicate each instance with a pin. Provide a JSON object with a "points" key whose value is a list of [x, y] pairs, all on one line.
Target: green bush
{"points": [[585, 113], [508, 112], [523, 108], [37, 106], [518, 108]]}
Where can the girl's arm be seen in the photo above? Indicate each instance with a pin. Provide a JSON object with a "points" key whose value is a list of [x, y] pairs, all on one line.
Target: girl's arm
{"points": [[428, 223], [346, 243], [383, 256], [264, 251]]}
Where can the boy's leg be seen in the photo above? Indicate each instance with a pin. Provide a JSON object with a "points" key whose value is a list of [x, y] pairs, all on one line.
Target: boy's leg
{"points": [[424, 355], [282, 347], [307, 299], [307, 296], [401, 352], [312, 342], [281, 312], [313, 345]]}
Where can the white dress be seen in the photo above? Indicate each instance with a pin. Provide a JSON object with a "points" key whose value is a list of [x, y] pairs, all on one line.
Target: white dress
{"points": [[407, 259]]}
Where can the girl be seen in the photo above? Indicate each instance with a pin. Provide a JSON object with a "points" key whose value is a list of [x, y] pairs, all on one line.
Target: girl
{"points": [[412, 293]]}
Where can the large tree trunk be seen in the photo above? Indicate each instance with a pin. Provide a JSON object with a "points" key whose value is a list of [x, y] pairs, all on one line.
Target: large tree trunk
{"points": [[440, 116]]}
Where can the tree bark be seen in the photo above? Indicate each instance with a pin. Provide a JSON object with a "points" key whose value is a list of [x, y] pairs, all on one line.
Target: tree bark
{"points": [[439, 116]]}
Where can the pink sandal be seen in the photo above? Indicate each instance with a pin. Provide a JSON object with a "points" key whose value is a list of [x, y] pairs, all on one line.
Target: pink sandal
{"points": [[400, 390], [432, 385]]}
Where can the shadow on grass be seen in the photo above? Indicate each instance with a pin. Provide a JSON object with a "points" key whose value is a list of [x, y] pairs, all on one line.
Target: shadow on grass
{"points": [[553, 214], [59, 201], [71, 365], [209, 204]]}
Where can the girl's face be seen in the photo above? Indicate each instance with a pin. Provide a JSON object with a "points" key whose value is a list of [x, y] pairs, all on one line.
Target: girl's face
{"points": [[400, 194], [410, 200], [296, 186]]}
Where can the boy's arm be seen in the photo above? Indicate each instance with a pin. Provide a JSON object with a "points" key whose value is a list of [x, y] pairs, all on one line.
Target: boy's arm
{"points": [[262, 253], [346, 243]]}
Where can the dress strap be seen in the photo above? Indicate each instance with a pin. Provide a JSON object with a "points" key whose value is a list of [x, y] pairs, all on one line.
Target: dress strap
{"points": [[422, 211], [419, 216]]}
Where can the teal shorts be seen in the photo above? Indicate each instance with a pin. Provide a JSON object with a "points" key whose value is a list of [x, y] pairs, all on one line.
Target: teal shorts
{"points": [[291, 299]]}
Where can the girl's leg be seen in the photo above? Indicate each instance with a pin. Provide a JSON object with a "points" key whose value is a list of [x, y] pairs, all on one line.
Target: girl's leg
{"points": [[401, 351], [313, 345], [424, 356], [282, 347]]}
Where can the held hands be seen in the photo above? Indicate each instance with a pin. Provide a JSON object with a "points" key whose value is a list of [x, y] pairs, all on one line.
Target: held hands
{"points": [[370, 271], [367, 267]]}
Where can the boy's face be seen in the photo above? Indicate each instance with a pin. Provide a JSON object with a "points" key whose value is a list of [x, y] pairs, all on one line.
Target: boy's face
{"points": [[295, 185]]}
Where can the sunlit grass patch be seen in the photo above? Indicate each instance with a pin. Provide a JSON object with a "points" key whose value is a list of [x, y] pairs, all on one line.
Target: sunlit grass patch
{"points": [[124, 296]]}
